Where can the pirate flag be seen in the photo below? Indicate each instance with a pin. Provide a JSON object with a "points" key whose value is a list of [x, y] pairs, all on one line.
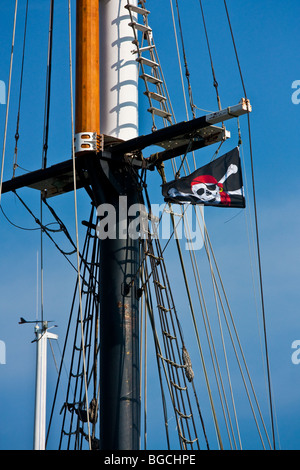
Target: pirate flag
{"points": [[217, 184]]}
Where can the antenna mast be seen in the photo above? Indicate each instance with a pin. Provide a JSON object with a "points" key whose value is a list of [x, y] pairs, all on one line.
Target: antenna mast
{"points": [[42, 336]]}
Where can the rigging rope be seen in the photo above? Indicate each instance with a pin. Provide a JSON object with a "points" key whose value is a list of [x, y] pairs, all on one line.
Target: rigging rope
{"points": [[92, 284], [250, 230], [214, 280], [148, 300], [179, 60], [187, 73], [178, 245], [8, 97], [79, 374], [164, 364], [257, 232], [76, 216], [207, 322], [45, 140], [143, 328], [163, 290], [48, 87], [15, 164], [196, 327], [75, 203], [215, 83], [26, 228], [239, 344], [43, 227]]}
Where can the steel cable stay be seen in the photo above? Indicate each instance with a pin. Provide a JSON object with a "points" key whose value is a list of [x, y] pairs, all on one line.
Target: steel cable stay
{"points": [[233, 322], [160, 362], [76, 222], [179, 60], [249, 225], [211, 343], [166, 309], [178, 247], [168, 366], [190, 374], [271, 405], [45, 143], [213, 354], [78, 411], [75, 413], [186, 172], [168, 337], [218, 296], [212, 273], [218, 272], [8, 97], [45, 228], [248, 395], [215, 83], [214, 280], [48, 87], [192, 311], [143, 364], [250, 234], [202, 302], [211, 65], [187, 73], [15, 161], [150, 312], [183, 414], [92, 278]]}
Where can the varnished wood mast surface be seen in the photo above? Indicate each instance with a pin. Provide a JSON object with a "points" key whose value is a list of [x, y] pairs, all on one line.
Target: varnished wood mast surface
{"points": [[87, 106]]}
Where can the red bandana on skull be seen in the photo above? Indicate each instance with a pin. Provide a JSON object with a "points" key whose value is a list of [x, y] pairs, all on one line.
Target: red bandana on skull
{"points": [[211, 189]]}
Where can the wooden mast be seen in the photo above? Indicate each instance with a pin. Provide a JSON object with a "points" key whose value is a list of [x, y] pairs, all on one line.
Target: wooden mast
{"points": [[87, 105]]}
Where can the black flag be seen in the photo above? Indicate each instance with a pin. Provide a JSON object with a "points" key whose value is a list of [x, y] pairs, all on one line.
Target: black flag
{"points": [[218, 183]]}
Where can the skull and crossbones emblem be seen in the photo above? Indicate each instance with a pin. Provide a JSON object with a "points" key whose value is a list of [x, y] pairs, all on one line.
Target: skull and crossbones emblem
{"points": [[208, 190]]}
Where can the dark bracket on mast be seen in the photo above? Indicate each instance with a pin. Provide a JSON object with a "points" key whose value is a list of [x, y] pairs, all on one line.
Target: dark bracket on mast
{"points": [[175, 140]]}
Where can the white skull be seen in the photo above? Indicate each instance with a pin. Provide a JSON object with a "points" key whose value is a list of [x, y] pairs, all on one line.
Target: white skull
{"points": [[207, 192]]}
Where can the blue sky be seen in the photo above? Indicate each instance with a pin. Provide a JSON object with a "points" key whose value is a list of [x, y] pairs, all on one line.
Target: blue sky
{"points": [[267, 38]]}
